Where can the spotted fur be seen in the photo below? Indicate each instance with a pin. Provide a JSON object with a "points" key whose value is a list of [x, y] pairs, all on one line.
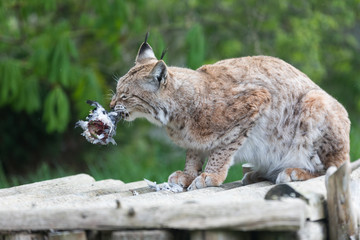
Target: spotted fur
{"points": [[257, 109]]}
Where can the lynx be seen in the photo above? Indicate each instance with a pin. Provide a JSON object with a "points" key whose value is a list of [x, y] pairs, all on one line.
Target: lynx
{"points": [[257, 109]]}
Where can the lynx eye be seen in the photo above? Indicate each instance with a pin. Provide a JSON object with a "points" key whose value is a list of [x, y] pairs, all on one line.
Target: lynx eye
{"points": [[123, 96]]}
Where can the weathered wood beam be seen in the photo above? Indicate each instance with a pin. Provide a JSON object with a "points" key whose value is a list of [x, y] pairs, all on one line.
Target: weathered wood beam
{"points": [[342, 219], [312, 231], [355, 165], [58, 186], [250, 215]]}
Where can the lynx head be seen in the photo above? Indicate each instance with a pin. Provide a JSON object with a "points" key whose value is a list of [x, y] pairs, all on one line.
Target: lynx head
{"points": [[141, 89]]}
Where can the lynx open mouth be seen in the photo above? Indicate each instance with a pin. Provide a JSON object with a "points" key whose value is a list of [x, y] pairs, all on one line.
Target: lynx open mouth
{"points": [[121, 110]]}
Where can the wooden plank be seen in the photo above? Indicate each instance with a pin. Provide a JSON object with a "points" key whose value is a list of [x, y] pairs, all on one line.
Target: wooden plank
{"points": [[134, 185], [124, 195], [355, 191], [55, 187], [355, 164], [340, 210], [315, 201], [107, 199], [251, 192], [313, 189], [316, 194], [313, 231], [84, 200], [42, 208], [261, 214], [355, 197], [355, 174], [111, 186], [86, 194]]}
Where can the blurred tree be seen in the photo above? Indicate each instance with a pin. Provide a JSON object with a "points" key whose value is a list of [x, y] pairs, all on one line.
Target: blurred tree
{"points": [[56, 54]]}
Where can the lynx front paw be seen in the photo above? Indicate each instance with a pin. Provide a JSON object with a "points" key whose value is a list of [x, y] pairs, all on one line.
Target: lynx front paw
{"points": [[181, 178], [206, 180]]}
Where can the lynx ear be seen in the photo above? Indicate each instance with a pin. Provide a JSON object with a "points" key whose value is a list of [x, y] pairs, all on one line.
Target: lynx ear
{"points": [[145, 51], [158, 75]]}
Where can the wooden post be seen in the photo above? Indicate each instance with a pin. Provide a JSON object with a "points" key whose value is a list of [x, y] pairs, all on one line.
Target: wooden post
{"points": [[355, 164], [342, 221], [247, 167]]}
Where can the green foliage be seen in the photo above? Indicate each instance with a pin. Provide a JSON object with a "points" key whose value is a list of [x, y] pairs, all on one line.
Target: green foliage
{"points": [[54, 55], [355, 142], [11, 72], [3, 179], [56, 110], [195, 44]]}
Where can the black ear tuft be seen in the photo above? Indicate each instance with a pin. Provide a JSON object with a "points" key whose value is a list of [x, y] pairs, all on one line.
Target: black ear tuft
{"points": [[163, 53], [146, 37]]}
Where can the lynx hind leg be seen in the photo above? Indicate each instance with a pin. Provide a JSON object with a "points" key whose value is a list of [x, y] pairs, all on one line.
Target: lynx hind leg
{"points": [[328, 119], [295, 174], [323, 131], [321, 140]]}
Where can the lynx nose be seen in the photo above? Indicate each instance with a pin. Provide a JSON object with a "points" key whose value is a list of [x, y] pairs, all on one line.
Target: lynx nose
{"points": [[112, 104]]}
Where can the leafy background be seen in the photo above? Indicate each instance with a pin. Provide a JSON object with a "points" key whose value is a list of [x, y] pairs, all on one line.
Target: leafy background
{"points": [[56, 54]]}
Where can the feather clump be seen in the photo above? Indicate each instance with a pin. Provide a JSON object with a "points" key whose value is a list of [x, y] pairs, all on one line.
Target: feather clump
{"points": [[100, 126]]}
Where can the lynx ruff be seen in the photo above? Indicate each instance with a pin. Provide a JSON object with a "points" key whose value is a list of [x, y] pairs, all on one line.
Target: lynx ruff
{"points": [[259, 110]]}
